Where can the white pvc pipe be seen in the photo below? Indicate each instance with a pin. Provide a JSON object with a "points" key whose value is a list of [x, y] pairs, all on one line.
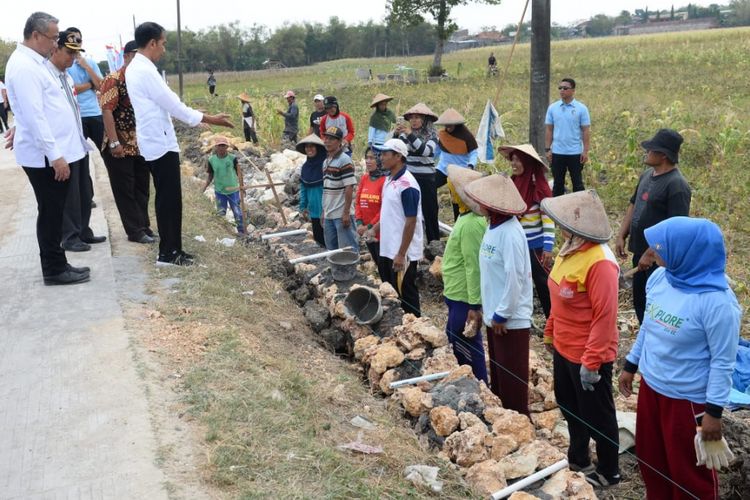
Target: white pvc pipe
{"points": [[317, 256], [416, 380], [547, 471], [445, 227], [284, 233]]}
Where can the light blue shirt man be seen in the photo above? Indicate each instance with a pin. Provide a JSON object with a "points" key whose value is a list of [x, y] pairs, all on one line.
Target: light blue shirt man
{"points": [[568, 120], [87, 100]]}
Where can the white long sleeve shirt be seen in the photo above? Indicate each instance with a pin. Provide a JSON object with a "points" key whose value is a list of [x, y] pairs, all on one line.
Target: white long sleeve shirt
{"points": [[505, 276], [46, 124], [154, 104]]}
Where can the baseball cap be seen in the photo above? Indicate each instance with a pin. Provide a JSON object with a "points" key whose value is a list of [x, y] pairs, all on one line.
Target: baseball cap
{"points": [[334, 132], [71, 40], [318, 97], [131, 46], [220, 140], [395, 145], [289, 93], [330, 102]]}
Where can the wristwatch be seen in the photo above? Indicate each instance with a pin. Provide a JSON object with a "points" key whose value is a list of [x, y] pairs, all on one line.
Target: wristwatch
{"points": [[113, 145]]}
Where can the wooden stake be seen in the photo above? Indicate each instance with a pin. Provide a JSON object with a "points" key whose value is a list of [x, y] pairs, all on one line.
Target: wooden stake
{"points": [[270, 182]]}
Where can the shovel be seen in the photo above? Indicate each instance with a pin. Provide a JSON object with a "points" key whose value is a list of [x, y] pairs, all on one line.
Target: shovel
{"points": [[625, 279]]}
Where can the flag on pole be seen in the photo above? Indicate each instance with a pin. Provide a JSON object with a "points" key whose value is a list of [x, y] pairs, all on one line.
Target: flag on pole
{"points": [[114, 58], [490, 128]]}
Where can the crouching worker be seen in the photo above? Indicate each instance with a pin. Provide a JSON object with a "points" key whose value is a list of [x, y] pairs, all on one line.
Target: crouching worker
{"points": [[685, 352], [224, 170], [311, 184], [461, 281], [582, 332]]}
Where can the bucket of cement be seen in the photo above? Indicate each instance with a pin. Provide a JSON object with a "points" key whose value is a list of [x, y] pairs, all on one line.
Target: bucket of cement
{"points": [[343, 265], [364, 305]]}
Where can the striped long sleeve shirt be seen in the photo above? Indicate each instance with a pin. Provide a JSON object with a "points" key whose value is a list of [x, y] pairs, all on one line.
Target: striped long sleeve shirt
{"points": [[539, 229], [421, 159]]}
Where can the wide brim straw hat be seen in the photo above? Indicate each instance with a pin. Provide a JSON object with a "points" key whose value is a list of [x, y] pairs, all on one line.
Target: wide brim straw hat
{"points": [[310, 139], [497, 193], [581, 213], [460, 177], [450, 117], [421, 109], [244, 97], [526, 149], [380, 98]]}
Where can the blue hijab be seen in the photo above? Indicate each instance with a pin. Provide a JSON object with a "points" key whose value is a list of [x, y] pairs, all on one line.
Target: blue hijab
{"points": [[693, 251], [312, 170]]}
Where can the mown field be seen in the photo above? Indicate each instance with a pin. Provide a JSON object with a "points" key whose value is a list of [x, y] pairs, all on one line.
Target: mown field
{"points": [[693, 82]]}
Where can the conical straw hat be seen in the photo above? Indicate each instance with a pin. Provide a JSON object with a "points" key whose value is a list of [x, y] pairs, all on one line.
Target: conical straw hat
{"points": [[460, 177], [310, 139], [450, 117], [581, 213], [526, 149], [421, 109], [497, 193], [244, 97], [380, 98]]}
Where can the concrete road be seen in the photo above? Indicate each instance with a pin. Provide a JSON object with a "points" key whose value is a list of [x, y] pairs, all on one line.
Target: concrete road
{"points": [[74, 418]]}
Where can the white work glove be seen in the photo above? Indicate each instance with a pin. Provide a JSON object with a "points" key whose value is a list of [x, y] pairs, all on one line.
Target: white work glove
{"points": [[712, 454], [589, 378]]}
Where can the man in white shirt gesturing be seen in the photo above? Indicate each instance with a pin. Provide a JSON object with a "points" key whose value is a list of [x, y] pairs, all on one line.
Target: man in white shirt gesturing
{"points": [[154, 103]]}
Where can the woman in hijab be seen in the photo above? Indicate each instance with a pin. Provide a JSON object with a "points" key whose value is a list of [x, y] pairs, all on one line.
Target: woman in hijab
{"points": [[456, 146], [685, 352], [311, 183], [381, 121], [507, 292], [367, 204], [421, 142], [582, 332], [528, 171]]}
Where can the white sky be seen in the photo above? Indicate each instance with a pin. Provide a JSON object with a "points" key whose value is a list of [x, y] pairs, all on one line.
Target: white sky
{"points": [[105, 22]]}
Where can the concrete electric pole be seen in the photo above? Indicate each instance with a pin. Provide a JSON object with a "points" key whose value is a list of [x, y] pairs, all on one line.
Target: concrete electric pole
{"points": [[540, 71], [179, 48]]}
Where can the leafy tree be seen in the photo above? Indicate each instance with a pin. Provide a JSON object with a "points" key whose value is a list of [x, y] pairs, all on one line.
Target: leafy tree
{"points": [[410, 12], [287, 44], [741, 12], [600, 25]]}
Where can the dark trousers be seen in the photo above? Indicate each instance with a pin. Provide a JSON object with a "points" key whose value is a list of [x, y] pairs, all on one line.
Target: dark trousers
{"points": [[429, 202], [374, 248], [468, 351], [250, 134], [50, 200], [77, 212], [664, 432], [408, 291], [590, 415], [93, 128], [566, 163], [4, 116], [441, 180], [168, 201], [639, 288], [130, 181], [509, 368], [212, 89], [540, 275], [318, 233]]}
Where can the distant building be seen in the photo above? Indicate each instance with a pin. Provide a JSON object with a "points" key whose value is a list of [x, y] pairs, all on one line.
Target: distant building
{"points": [[462, 40], [667, 26]]}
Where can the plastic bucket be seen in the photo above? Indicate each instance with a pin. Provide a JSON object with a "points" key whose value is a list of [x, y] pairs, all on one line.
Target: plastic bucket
{"points": [[364, 305], [343, 265]]}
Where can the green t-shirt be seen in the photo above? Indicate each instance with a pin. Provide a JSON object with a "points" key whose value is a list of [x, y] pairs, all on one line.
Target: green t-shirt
{"points": [[225, 175]]}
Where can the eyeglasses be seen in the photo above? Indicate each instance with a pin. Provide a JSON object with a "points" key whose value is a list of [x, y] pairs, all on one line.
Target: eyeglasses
{"points": [[50, 38], [564, 88]]}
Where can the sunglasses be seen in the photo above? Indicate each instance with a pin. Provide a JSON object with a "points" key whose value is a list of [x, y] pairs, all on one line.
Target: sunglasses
{"points": [[564, 88]]}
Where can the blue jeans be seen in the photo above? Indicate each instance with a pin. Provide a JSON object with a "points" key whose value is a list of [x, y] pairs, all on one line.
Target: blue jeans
{"points": [[233, 200], [337, 236]]}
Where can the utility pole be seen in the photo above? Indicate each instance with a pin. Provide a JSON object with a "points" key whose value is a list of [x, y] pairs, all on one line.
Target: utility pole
{"points": [[179, 48], [133, 24], [540, 67]]}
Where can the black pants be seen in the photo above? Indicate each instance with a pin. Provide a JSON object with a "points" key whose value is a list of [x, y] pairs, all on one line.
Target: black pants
{"points": [[50, 200], [639, 287], [168, 201], [318, 233], [130, 181], [4, 116], [290, 136], [250, 134], [429, 202], [408, 292], [77, 212], [540, 275], [566, 163], [211, 89], [93, 128], [441, 180], [596, 408]]}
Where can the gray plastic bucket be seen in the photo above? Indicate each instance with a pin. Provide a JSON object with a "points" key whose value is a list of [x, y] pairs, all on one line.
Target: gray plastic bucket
{"points": [[343, 265], [364, 305]]}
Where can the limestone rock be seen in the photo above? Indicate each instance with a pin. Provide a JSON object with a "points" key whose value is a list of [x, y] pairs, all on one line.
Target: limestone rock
{"points": [[457, 373], [545, 453], [560, 435], [467, 447], [468, 420], [511, 423], [363, 344], [522, 495], [442, 360], [444, 420], [569, 485], [489, 398], [461, 395], [415, 401], [518, 465], [354, 329], [385, 381], [407, 338], [416, 354], [426, 330], [546, 420], [485, 478], [387, 291], [387, 356], [436, 268], [501, 446]]}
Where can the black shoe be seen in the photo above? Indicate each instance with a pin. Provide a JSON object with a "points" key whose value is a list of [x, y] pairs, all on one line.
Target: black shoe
{"points": [[83, 269], [93, 204], [186, 255], [174, 259], [94, 239], [78, 246], [143, 239], [598, 480], [66, 278]]}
